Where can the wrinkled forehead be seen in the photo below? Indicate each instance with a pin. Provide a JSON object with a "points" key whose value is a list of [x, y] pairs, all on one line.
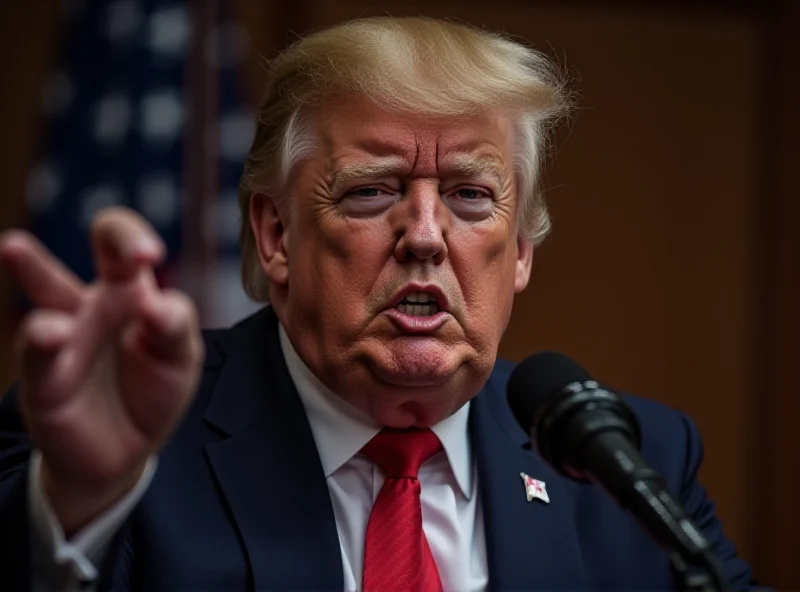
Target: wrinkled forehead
{"points": [[481, 140]]}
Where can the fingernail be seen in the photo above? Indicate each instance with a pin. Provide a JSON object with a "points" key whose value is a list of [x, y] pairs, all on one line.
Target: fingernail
{"points": [[10, 238], [49, 330]]}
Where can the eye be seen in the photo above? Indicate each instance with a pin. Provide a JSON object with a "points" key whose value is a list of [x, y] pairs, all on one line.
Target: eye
{"points": [[470, 193], [366, 192], [368, 200], [470, 203]]}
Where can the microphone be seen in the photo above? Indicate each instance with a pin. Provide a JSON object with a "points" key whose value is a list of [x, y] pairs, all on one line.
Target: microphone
{"points": [[587, 433]]}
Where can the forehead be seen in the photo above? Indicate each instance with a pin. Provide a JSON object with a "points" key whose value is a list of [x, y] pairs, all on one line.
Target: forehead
{"points": [[359, 126]]}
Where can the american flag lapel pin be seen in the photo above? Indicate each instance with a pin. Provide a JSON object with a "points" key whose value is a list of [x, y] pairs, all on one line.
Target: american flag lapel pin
{"points": [[535, 489]]}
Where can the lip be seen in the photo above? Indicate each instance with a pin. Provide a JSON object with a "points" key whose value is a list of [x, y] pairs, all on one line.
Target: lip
{"points": [[419, 325], [410, 324]]}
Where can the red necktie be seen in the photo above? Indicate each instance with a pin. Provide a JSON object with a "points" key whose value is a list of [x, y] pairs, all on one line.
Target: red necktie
{"points": [[397, 555]]}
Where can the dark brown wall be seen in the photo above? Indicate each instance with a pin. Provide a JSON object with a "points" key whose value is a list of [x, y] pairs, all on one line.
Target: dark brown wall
{"points": [[672, 269], [28, 45], [779, 397]]}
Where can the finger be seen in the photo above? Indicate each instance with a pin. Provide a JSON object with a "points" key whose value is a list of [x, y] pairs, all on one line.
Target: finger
{"points": [[124, 243], [46, 281], [170, 328], [40, 340], [107, 309]]}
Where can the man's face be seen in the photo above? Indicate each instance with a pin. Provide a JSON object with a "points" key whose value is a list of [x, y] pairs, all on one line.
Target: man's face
{"points": [[394, 263]]}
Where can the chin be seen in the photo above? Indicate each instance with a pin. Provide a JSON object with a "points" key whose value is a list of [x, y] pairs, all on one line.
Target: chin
{"points": [[417, 381], [417, 362]]}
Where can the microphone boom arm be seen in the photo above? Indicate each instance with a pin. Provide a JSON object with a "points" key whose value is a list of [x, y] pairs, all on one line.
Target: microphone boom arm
{"points": [[596, 429]]}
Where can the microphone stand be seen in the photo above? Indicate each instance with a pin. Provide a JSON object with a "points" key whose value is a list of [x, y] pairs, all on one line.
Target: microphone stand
{"points": [[589, 434], [689, 579], [694, 566]]}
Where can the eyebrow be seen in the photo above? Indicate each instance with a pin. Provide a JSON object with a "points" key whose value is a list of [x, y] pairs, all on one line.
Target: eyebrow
{"points": [[472, 166], [385, 167], [460, 164]]}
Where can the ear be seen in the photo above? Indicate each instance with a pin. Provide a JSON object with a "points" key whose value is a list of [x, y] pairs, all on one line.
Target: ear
{"points": [[524, 261], [271, 234]]}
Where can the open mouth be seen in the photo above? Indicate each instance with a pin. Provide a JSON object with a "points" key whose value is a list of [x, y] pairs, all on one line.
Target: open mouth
{"points": [[418, 304]]}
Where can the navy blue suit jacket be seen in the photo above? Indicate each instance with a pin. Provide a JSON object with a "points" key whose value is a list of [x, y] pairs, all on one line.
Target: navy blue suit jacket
{"points": [[240, 502]]}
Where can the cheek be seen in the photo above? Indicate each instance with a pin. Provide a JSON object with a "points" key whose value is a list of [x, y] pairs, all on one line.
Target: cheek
{"points": [[337, 257], [485, 265]]}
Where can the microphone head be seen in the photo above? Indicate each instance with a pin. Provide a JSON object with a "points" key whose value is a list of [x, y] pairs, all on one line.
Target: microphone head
{"points": [[559, 404], [536, 379]]}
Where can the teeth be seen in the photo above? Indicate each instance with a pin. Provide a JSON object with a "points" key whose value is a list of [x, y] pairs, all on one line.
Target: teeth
{"points": [[418, 310], [419, 297]]}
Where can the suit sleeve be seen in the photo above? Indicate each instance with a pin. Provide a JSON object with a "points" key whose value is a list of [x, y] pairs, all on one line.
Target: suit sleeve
{"points": [[32, 557], [14, 533], [703, 512]]}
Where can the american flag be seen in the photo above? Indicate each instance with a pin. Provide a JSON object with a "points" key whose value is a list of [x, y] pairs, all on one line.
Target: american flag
{"points": [[535, 489], [118, 132]]}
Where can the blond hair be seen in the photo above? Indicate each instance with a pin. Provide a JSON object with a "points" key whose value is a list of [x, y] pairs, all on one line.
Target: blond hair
{"points": [[413, 64]]}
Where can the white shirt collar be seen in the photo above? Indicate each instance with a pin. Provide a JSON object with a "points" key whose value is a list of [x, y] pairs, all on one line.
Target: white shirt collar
{"points": [[341, 431]]}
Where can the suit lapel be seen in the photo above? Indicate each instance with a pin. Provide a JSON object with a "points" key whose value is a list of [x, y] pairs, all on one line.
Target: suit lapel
{"points": [[271, 478], [268, 468], [530, 545]]}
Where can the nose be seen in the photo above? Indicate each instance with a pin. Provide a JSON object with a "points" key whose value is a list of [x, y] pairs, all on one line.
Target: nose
{"points": [[421, 224]]}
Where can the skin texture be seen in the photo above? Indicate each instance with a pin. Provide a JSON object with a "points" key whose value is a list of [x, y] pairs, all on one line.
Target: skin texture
{"points": [[386, 200]]}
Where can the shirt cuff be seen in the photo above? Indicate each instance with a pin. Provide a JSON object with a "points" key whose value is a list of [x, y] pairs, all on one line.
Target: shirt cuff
{"points": [[80, 555]]}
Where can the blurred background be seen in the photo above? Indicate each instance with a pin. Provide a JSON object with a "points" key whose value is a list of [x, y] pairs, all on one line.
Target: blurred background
{"points": [[673, 268]]}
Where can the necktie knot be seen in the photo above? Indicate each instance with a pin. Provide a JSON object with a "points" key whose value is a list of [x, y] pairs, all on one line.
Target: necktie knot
{"points": [[400, 453]]}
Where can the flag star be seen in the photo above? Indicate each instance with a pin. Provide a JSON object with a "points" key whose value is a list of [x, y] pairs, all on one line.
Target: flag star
{"points": [[43, 187], [159, 199], [112, 119], [122, 19], [95, 199], [161, 116], [168, 31], [236, 132]]}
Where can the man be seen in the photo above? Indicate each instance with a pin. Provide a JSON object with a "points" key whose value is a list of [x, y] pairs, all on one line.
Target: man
{"points": [[354, 434]]}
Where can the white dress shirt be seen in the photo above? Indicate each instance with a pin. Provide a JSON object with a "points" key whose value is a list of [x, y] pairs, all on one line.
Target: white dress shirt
{"points": [[451, 512]]}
